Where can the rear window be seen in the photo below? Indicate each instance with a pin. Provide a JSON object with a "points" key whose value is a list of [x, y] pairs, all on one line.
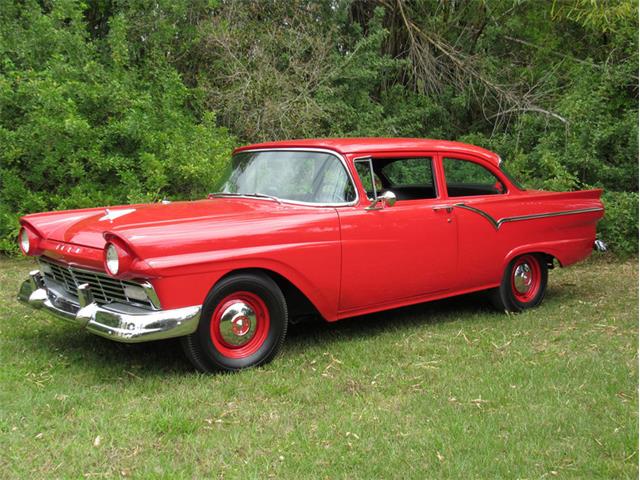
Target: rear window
{"points": [[466, 178], [516, 183]]}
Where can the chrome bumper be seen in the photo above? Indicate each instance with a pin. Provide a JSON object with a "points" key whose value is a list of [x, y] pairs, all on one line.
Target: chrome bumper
{"points": [[599, 246], [119, 322]]}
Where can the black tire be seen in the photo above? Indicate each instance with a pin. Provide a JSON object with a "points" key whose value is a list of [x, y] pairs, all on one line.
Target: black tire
{"points": [[207, 349], [507, 297]]}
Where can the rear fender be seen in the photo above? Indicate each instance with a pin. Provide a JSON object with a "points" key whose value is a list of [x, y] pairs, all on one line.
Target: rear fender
{"points": [[566, 252]]}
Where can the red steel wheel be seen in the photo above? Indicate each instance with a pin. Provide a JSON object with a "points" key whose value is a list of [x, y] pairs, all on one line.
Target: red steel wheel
{"points": [[525, 278], [523, 285], [239, 325], [243, 324]]}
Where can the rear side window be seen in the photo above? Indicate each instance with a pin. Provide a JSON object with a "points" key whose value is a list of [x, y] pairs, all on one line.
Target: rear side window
{"points": [[465, 178], [510, 177]]}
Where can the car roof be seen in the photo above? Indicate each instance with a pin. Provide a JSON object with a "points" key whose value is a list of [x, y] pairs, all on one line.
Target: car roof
{"points": [[375, 144]]}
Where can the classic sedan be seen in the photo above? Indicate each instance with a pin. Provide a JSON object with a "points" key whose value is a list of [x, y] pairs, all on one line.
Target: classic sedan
{"points": [[333, 228]]}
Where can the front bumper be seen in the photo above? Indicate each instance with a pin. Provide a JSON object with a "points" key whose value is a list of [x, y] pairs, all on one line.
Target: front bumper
{"points": [[119, 322]]}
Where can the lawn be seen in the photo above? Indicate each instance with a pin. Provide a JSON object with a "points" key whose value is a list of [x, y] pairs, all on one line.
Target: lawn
{"points": [[447, 389]]}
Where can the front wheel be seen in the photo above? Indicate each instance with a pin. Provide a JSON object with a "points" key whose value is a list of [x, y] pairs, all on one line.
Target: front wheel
{"points": [[524, 283], [243, 324]]}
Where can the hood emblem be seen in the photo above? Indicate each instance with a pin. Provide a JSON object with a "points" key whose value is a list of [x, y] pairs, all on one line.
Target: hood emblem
{"points": [[112, 215]]}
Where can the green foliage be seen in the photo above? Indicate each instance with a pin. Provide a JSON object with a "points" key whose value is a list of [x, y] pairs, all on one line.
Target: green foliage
{"points": [[81, 124], [110, 101], [619, 228], [599, 16]]}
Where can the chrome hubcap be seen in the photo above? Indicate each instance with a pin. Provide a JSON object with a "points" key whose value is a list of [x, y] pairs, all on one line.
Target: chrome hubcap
{"points": [[238, 323], [522, 278]]}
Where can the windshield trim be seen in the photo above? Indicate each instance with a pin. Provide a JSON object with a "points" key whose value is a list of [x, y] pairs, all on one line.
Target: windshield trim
{"points": [[342, 160]]}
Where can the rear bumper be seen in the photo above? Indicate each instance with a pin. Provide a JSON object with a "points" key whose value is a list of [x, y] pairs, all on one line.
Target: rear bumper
{"points": [[600, 246], [119, 322]]}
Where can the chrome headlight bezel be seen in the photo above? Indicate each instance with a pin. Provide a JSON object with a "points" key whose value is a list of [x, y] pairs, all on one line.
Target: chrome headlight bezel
{"points": [[29, 241], [111, 259], [24, 241]]}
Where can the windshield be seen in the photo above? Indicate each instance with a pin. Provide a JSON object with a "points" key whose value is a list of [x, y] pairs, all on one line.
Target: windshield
{"points": [[310, 177]]}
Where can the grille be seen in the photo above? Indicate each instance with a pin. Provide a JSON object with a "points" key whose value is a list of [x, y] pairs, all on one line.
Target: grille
{"points": [[105, 289]]}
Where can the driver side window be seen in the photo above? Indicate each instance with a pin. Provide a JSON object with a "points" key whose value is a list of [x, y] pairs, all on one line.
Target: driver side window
{"points": [[407, 178]]}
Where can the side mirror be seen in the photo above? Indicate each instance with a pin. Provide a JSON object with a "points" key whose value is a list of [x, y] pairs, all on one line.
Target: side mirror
{"points": [[387, 199]]}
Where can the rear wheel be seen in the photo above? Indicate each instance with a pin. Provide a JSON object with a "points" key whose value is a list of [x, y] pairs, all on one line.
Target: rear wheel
{"points": [[524, 283], [243, 324]]}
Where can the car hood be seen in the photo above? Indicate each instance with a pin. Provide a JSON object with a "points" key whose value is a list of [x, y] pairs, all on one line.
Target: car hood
{"points": [[87, 227]]}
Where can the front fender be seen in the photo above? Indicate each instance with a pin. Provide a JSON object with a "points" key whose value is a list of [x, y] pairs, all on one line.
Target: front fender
{"points": [[191, 288]]}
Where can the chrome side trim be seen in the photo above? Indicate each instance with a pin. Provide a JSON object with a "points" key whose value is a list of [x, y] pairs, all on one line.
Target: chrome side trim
{"points": [[498, 223], [122, 323], [339, 156], [495, 223]]}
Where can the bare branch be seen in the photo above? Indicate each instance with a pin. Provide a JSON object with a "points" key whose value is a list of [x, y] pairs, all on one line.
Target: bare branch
{"points": [[531, 109]]}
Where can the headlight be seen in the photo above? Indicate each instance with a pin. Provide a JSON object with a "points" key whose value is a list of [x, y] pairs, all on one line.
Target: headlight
{"points": [[112, 260], [117, 258], [25, 244], [29, 242]]}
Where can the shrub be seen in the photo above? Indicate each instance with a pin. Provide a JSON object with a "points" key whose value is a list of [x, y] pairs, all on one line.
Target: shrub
{"points": [[113, 102], [81, 125], [619, 228]]}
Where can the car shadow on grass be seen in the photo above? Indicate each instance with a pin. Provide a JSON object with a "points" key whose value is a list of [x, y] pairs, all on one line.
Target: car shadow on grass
{"points": [[106, 357], [165, 358], [463, 309]]}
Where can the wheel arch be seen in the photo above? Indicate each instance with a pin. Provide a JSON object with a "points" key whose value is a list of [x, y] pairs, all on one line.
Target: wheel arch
{"points": [[549, 255], [299, 304]]}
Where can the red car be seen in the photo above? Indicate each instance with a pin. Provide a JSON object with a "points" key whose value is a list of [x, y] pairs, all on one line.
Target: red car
{"points": [[332, 227]]}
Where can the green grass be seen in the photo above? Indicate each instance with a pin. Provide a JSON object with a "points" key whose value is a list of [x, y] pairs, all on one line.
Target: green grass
{"points": [[447, 389]]}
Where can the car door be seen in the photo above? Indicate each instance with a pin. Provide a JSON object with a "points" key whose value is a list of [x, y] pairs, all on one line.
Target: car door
{"points": [[479, 194], [391, 254]]}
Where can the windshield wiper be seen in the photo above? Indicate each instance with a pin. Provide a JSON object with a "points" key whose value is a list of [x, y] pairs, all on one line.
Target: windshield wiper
{"points": [[264, 195], [257, 195]]}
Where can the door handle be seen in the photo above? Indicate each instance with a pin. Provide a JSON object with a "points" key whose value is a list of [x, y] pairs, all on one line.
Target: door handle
{"points": [[439, 208]]}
